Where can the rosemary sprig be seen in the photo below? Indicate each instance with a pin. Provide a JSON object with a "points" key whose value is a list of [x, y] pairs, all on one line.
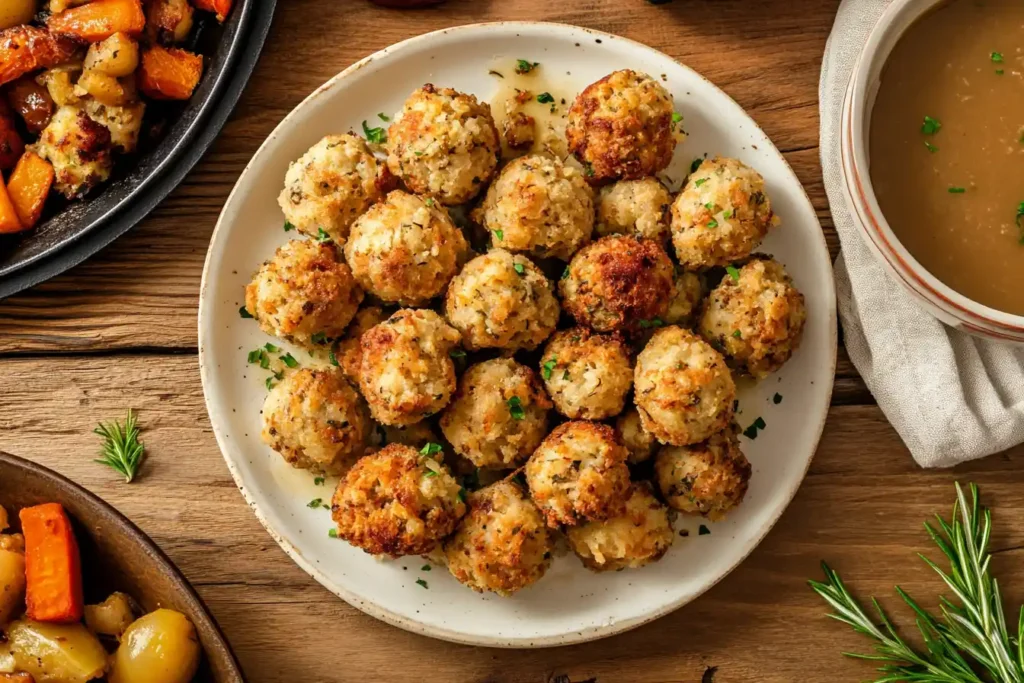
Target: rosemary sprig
{"points": [[970, 636], [122, 451]]}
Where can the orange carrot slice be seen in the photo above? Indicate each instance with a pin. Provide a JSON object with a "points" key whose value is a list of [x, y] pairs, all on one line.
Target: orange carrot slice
{"points": [[53, 571]]}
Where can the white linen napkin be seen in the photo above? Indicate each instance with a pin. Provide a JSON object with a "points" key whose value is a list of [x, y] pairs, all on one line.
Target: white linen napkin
{"points": [[950, 396]]}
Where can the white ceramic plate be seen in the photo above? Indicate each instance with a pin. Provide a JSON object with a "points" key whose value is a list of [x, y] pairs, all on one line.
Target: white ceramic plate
{"points": [[570, 604]]}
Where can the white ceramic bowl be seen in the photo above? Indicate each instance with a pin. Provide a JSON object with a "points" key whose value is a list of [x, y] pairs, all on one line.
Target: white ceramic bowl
{"points": [[570, 604], [949, 306]]}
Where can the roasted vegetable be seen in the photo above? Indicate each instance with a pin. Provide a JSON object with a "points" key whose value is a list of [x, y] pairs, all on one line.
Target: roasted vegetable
{"points": [[60, 83], [99, 20], [16, 12], [12, 563], [79, 149], [9, 222], [56, 653], [169, 21], [27, 48], [169, 73], [111, 617], [29, 186], [160, 647], [16, 678], [105, 89], [11, 144], [53, 571], [116, 56], [32, 102], [219, 7]]}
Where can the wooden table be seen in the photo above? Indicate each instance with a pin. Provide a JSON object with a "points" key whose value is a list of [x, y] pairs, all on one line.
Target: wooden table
{"points": [[120, 331]]}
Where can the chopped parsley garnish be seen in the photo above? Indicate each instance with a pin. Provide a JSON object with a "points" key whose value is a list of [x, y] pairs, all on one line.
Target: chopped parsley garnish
{"points": [[519, 268], [712, 223], [430, 473], [699, 181], [524, 66], [322, 237], [315, 503], [430, 448], [565, 375], [727, 214], [318, 481], [425, 568], [545, 98], [703, 530], [331, 357], [930, 126], [997, 57], [548, 367], [383, 117], [696, 164], [289, 360], [288, 226], [500, 234], [260, 356], [462, 495], [710, 206], [737, 334], [930, 147], [333, 533], [375, 135], [588, 170], [957, 190], [270, 382], [999, 72], [429, 201], [457, 353], [565, 273], [423, 583], [733, 273], [515, 407], [653, 322], [319, 338], [777, 398], [417, 153], [676, 117], [244, 313], [270, 347], [751, 431]]}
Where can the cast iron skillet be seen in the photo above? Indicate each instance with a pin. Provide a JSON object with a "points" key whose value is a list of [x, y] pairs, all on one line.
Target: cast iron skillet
{"points": [[144, 180], [116, 555]]}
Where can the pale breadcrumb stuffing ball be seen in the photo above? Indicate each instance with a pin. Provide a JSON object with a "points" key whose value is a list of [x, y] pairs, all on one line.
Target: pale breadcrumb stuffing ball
{"points": [[443, 143], [540, 205], [348, 353], [499, 414], [406, 373], [618, 283], [709, 478], [502, 301], [634, 207], [579, 473], [587, 375], [397, 502], [687, 292], [721, 215], [304, 291], [638, 441], [79, 149], [405, 249], [330, 185], [683, 388], [502, 544], [621, 127], [755, 316], [316, 421], [640, 535]]}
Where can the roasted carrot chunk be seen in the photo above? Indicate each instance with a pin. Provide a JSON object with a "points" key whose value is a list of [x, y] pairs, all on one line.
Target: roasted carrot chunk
{"points": [[169, 73], [27, 48], [53, 571], [99, 20], [29, 186], [9, 221], [219, 7]]}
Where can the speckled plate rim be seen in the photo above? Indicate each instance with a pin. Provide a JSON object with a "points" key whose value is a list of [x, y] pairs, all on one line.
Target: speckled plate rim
{"points": [[594, 633]]}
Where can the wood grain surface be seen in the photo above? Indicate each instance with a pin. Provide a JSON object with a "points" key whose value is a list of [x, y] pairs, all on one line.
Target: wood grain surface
{"points": [[119, 331]]}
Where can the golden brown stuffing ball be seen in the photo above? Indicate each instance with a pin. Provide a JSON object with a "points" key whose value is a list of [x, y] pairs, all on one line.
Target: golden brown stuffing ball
{"points": [[634, 207], [638, 441], [618, 283], [499, 414], [349, 352], [501, 545], [331, 185], [683, 388], [444, 144], [640, 535], [540, 205], [755, 316], [621, 127], [721, 215], [405, 249], [503, 301], [709, 478], [406, 373], [579, 473], [687, 292], [316, 421], [397, 502], [587, 375], [305, 290]]}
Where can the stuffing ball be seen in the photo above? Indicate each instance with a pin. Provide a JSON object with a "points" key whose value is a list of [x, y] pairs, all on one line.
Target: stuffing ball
{"points": [[349, 352], [444, 144], [709, 478], [683, 388], [498, 416], [316, 421], [406, 374], [540, 205], [405, 249], [687, 292], [579, 474], [500, 300], [304, 292], [621, 127], [755, 316], [638, 441], [501, 545], [640, 535], [634, 207], [397, 502], [618, 283], [79, 149], [331, 185], [721, 215], [587, 375]]}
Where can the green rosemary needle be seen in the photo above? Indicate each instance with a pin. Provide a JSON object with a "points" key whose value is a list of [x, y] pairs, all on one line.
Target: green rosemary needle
{"points": [[122, 451]]}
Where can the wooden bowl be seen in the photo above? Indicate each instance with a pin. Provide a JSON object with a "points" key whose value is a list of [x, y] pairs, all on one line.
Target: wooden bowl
{"points": [[117, 555]]}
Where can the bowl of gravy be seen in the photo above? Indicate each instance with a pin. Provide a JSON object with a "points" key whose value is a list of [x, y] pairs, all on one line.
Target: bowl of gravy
{"points": [[933, 157]]}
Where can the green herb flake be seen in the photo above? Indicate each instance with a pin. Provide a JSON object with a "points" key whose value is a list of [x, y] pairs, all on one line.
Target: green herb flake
{"points": [[244, 313], [288, 226], [515, 408], [429, 201], [999, 72], [957, 190], [703, 530], [315, 503], [777, 398], [423, 583], [332, 358], [588, 170], [565, 375], [757, 425], [997, 57], [712, 223], [319, 338], [333, 533], [318, 481], [430, 473], [930, 147], [425, 568], [122, 451], [737, 334], [696, 164], [383, 117], [457, 353], [289, 360], [270, 347], [699, 181], [727, 214], [676, 117], [524, 66], [545, 98], [653, 322], [269, 383], [548, 367], [733, 273], [254, 356], [431, 448], [931, 126], [322, 236], [710, 206], [519, 268], [500, 234], [462, 495], [375, 135], [565, 273]]}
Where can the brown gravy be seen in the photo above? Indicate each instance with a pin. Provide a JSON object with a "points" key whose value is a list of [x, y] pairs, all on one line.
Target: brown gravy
{"points": [[952, 195]]}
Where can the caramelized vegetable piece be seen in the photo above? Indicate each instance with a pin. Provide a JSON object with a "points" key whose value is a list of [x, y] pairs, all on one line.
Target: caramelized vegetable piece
{"points": [[56, 653], [11, 144], [219, 7], [27, 48], [17, 678], [12, 584], [112, 617], [9, 222], [99, 20], [116, 56], [169, 21], [29, 186], [32, 102], [16, 12], [169, 73], [160, 647], [52, 566], [105, 89]]}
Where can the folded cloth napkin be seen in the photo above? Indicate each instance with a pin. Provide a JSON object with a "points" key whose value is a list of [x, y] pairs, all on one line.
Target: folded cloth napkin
{"points": [[950, 396]]}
